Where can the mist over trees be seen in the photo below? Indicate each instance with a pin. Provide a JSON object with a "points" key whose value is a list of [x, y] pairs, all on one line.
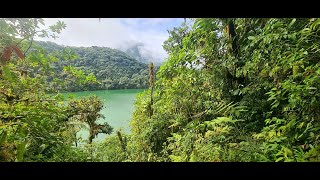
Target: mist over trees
{"points": [[141, 53], [112, 68]]}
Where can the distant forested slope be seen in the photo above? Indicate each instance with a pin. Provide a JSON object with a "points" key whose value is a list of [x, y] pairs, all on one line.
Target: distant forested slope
{"points": [[113, 68]]}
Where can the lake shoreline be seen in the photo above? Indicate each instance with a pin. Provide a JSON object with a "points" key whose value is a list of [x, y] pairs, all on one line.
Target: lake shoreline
{"points": [[62, 92]]}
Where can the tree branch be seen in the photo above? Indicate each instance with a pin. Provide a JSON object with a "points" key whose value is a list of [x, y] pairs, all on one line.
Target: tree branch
{"points": [[28, 47]]}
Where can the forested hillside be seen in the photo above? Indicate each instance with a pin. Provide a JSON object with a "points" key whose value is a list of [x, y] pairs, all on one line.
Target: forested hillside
{"points": [[112, 68]]}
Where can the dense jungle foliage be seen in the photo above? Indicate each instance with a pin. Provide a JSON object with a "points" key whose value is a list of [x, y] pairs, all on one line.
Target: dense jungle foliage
{"points": [[112, 68], [236, 89]]}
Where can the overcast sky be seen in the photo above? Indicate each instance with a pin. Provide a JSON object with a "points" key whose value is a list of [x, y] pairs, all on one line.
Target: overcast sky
{"points": [[116, 32]]}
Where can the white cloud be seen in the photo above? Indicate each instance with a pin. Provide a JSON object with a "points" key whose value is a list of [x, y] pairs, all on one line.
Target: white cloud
{"points": [[146, 21], [115, 33]]}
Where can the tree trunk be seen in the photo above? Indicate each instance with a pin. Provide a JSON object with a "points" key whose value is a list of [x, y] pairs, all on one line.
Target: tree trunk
{"points": [[151, 86]]}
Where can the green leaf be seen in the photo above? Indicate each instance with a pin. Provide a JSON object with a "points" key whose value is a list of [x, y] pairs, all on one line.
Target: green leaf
{"points": [[176, 158], [315, 24], [43, 147], [279, 159], [292, 22], [311, 88], [20, 151], [251, 37], [7, 73], [287, 151], [3, 137], [300, 125]]}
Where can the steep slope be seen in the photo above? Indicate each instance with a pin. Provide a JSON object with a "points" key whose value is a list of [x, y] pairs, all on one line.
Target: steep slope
{"points": [[113, 68], [140, 53]]}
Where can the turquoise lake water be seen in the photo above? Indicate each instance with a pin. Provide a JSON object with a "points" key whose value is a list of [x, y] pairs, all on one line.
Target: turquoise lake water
{"points": [[118, 108]]}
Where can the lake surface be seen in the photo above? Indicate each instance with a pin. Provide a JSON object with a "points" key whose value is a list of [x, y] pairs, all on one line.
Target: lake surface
{"points": [[118, 108]]}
